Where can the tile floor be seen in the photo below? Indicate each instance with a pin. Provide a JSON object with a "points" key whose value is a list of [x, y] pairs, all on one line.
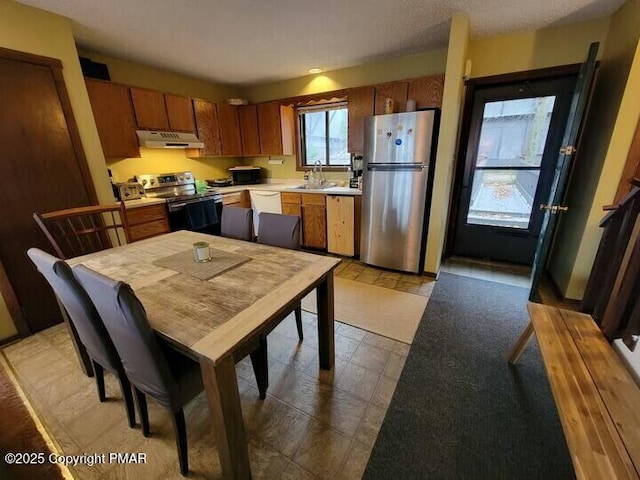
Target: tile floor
{"points": [[507, 273], [353, 269], [313, 424]]}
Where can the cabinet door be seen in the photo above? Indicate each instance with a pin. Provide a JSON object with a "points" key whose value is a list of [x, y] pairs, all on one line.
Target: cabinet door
{"points": [[150, 109], [314, 226], [180, 113], [113, 113], [249, 128], [270, 128], [340, 223], [427, 91], [360, 106], [292, 209], [207, 127], [229, 129], [395, 90]]}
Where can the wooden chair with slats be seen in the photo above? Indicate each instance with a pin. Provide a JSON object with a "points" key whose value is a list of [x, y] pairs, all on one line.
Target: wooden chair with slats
{"points": [[83, 230]]}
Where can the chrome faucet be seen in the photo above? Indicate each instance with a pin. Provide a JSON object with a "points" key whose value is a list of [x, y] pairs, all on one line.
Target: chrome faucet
{"points": [[320, 178]]}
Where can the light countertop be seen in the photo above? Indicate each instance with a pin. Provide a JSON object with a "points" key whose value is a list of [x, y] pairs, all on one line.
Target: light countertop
{"points": [[292, 188], [143, 202]]}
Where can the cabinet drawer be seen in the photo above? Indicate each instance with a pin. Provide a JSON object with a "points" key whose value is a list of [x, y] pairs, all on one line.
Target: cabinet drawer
{"points": [[290, 197], [313, 199], [238, 199], [149, 229], [139, 215]]}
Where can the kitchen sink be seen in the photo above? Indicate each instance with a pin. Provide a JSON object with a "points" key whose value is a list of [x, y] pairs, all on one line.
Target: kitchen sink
{"points": [[309, 187]]}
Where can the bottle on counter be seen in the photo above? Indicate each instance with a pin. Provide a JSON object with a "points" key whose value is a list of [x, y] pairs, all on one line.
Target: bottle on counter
{"points": [[306, 179]]}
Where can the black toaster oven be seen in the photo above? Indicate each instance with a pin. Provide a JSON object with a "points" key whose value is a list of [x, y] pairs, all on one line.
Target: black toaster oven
{"points": [[245, 175]]}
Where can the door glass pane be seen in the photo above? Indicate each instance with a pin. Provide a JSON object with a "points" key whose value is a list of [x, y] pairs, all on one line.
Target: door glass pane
{"points": [[514, 132], [502, 198], [315, 137], [338, 137]]}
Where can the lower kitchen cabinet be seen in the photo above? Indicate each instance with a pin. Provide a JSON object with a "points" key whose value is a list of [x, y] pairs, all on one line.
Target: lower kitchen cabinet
{"points": [[340, 224], [236, 199], [314, 221], [148, 221]]}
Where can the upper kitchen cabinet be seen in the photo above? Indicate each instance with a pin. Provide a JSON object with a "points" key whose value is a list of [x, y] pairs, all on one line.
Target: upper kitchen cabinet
{"points": [[114, 118], [394, 90], [361, 102], [249, 127], [275, 127], [208, 129], [229, 122], [427, 91], [180, 113], [150, 109]]}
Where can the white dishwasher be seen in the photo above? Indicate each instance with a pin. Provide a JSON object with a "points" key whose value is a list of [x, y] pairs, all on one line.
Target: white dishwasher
{"points": [[264, 201]]}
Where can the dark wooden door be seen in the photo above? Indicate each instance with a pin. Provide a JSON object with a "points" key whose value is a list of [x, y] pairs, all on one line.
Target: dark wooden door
{"points": [[42, 169], [556, 194]]}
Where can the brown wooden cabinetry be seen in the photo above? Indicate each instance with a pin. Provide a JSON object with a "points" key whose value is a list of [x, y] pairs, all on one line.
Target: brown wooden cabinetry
{"points": [[150, 109], [340, 224], [397, 91], [314, 221], [236, 199], [249, 127], [147, 221], [291, 204], [361, 101], [180, 113], [207, 128], [113, 114], [229, 129], [427, 91], [275, 127]]}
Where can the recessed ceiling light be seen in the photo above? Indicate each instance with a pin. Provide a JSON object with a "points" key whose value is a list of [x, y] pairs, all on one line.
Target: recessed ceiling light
{"points": [[315, 70]]}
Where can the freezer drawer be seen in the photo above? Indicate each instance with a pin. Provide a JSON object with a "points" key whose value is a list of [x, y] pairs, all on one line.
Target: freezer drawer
{"points": [[393, 213]]}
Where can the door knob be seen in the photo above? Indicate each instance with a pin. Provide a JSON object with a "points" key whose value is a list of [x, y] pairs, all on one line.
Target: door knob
{"points": [[553, 208]]}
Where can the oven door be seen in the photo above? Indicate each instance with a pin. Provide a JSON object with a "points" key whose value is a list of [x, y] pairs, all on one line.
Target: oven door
{"points": [[180, 217]]}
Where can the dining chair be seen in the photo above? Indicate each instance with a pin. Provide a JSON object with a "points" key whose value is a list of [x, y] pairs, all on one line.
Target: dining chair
{"points": [[83, 230], [237, 222], [88, 324], [170, 378], [282, 231]]}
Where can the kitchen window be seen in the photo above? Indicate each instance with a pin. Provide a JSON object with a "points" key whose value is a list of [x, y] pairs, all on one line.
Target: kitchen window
{"points": [[323, 133]]}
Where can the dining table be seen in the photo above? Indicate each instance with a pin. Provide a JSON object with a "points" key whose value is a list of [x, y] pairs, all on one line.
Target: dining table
{"points": [[219, 311]]}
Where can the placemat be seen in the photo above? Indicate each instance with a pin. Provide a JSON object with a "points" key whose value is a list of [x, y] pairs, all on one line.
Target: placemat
{"points": [[220, 262]]}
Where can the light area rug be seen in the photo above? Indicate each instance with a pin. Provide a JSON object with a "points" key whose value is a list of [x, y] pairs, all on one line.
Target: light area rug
{"points": [[376, 309]]}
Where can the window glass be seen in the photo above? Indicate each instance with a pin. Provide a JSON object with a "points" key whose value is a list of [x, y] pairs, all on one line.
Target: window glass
{"points": [[324, 135]]}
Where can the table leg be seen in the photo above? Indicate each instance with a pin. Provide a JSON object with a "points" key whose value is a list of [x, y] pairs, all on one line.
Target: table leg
{"points": [[325, 323], [221, 385], [521, 344], [81, 352]]}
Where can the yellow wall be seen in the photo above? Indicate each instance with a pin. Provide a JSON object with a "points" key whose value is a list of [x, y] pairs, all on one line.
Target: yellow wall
{"points": [[35, 31], [399, 68], [144, 76], [157, 160], [608, 134], [548, 47], [447, 141]]}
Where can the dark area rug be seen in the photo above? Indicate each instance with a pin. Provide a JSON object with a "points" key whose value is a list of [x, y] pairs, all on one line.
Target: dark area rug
{"points": [[459, 410], [18, 433]]}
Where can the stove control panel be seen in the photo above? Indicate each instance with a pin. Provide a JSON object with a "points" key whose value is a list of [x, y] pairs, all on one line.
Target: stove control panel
{"points": [[162, 180]]}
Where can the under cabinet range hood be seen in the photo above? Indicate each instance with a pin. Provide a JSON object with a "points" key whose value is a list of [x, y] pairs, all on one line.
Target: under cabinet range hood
{"points": [[152, 139]]}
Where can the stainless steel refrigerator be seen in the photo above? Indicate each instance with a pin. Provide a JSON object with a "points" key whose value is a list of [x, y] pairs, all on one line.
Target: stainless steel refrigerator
{"points": [[399, 158]]}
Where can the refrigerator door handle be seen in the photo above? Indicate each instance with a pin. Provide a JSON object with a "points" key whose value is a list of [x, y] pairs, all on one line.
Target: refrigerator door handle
{"points": [[394, 167]]}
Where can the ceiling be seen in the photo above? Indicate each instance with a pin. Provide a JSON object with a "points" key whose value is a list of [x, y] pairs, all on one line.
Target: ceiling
{"points": [[247, 42]]}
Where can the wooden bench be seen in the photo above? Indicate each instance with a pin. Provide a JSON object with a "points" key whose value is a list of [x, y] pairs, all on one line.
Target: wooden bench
{"points": [[597, 399]]}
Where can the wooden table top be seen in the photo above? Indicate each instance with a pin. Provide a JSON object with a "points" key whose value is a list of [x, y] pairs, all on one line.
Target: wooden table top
{"points": [[211, 318]]}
